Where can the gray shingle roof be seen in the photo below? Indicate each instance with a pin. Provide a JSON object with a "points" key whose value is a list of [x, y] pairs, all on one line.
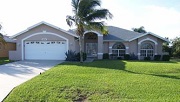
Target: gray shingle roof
{"points": [[7, 39], [119, 34]]}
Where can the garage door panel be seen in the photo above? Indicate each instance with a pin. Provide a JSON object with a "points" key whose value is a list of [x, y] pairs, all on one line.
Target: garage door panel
{"points": [[45, 50]]}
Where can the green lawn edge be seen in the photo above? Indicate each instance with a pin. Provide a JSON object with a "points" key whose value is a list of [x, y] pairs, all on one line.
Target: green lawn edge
{"points": [[103, 81]]}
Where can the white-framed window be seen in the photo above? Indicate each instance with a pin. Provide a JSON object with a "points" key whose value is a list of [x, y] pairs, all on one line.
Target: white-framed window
{"points": [[118, 49], [147, 50]]}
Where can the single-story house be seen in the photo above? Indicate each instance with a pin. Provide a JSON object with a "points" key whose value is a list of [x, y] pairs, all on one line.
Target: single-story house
{"points": [[44, 41], [8, 46]]}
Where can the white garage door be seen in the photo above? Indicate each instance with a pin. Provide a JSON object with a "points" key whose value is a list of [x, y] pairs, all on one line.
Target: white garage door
{"points": [[45, 50]]}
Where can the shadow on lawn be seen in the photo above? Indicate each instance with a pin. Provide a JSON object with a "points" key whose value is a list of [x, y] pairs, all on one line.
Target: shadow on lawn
{"points": [[119, 65]]}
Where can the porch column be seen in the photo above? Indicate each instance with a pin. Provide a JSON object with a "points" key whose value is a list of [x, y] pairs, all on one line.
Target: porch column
{"points": [[100, 47], [127, 50], [139, 46], [156, 47], [83, 44], [110, 50]]}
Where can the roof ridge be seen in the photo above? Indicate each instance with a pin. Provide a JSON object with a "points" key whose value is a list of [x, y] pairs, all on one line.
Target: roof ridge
{"points": [[40, 23], [125, 29]]}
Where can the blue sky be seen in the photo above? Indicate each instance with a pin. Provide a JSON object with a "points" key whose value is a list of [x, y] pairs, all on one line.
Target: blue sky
{"points": [[161, 17]]}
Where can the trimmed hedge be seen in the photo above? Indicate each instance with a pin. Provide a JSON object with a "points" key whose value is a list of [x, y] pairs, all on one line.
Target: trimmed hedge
{"points": [[147, 58], [105, 56], [119, 58], [133, 56], [84, 56], [127, 57], [73, 56], [165, 58], [157, 57]]}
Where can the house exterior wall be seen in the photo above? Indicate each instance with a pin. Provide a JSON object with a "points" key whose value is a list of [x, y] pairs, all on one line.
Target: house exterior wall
{"points": [[100, 47], [126, 44], [77, 48], [17, 55], [133, 47], [111, 43], [105, 47], [4, 51], [159, 50]]}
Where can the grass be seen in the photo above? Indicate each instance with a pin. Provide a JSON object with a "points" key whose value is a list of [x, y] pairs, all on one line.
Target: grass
{"points": [[4, 60], [103, 81]]}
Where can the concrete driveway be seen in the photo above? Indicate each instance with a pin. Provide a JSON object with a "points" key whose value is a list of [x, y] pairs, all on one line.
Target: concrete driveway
{"points": [[13, 74]]}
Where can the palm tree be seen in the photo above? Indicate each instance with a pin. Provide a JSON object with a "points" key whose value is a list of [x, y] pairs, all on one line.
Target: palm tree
{"points": [[139, 30], [87, 16]]}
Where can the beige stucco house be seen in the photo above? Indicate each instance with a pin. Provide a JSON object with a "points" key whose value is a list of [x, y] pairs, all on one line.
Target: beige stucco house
{"points": [[44, 41]]}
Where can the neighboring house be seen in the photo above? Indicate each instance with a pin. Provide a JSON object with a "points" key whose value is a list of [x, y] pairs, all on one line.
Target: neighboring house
{"points": [[8, 46], [44, 41]]}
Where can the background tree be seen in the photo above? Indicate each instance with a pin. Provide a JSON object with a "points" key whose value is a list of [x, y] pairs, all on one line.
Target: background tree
{"points": [[166, 47], [2, 37], [176, 47], [87, 16], [139, 30]]}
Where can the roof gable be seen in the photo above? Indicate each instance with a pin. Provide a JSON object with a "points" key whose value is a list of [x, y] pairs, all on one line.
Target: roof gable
{"points": [[41, 23], [149, 33]]}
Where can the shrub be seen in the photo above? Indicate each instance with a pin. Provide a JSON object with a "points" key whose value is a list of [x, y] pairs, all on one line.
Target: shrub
{"points": [[113, 56], [127, 57], [147, 58], [119, 58], [71, 55], [105, 56], [84, 56], [157, 57], [133, 57], [165, 57]]}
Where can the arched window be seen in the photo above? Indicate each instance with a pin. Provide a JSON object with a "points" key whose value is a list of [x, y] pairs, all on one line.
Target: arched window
{"points": [[147, 50], [118, 49]]}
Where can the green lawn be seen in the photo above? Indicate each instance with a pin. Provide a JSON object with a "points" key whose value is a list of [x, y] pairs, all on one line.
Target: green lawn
{"points": [[103, 81], [4, 60]]}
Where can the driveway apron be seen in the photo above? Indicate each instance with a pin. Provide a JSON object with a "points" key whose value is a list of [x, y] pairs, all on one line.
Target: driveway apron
{"points": [[14, 74]]}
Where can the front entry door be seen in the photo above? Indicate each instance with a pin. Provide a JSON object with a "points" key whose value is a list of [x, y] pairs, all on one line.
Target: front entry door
{"points": [[91, 49]]}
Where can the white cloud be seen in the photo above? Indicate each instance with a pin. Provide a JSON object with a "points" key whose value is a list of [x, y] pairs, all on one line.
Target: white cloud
{"points": [[160, 20], [17, 15]]}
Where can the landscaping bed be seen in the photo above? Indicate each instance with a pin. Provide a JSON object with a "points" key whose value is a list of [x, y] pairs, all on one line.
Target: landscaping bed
{"points": [[4, 60]]}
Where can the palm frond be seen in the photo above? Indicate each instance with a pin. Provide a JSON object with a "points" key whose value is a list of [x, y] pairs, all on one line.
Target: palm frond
{"points": [[139, 30], [70, 20], [87, 6], [98, 15], [98, 26], [75, 5]]}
